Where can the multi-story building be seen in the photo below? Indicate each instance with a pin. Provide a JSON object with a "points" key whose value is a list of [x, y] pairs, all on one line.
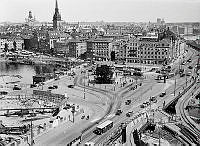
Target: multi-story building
{"points": [[55, 36], [76, 47], [154, 52], [61, 48], [120, 49], [99, 48], [3, 40], [146, 49], [12, 43]]}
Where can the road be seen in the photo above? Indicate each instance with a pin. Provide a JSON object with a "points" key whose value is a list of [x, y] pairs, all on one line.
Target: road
{"points": [[112, 101]]}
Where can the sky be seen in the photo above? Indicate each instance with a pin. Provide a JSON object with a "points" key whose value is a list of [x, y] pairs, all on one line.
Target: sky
{"points": [[106, 10]]}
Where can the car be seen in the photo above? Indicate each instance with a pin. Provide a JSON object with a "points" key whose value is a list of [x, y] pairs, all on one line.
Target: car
{"points": [[33, 85], [152, 98], [182, 75], [87, 118], [142, 106], [157, 71], [189, 60], [155, 101], [146, 103], [3, 92], [70, 86], [190, 67], [56, 78], [50, 87], [162, 94], [181, 71], [55, 86], [189, 74], [198, 81], [119, 112], [16, 88], [129, 114], [128, 102], [83, 117], [183, 63]]}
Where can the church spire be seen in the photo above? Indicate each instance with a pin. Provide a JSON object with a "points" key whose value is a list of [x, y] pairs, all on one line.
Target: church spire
{"points": [[56, 4], [56, 17]]}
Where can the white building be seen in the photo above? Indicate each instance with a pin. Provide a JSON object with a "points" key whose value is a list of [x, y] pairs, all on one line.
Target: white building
{"points": [[10, 42]]}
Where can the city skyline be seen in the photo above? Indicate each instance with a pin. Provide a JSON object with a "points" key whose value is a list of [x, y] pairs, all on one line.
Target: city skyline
{"points": [[106, 10]]}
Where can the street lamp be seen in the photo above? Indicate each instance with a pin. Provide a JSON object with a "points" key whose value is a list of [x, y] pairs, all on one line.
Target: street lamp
{"points": [[31, 134], [84, 88], [175, 87]]}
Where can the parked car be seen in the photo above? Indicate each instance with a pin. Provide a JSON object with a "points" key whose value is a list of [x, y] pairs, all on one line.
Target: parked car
{"points": [[3, 92], [157, 71], [70, 86]]}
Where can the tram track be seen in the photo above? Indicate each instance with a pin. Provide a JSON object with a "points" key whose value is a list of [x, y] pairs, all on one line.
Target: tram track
{"points": [[192, 127]]}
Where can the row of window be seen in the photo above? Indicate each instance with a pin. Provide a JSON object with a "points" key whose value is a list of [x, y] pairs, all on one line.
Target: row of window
{"points": [[153, 57], [102, 54], [159, 53]]}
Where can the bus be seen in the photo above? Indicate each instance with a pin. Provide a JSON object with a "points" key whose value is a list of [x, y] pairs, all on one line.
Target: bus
{"points": [[89, 144], [103, 127]]}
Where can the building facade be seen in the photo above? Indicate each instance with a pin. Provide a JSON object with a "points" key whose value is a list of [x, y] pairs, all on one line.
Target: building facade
{"points": [[147, 50], [11, 43], [99, 49], [76, 48]]}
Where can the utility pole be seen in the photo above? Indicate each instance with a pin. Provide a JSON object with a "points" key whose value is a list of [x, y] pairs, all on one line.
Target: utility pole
{"points": [[31, 132], [175, 87]]}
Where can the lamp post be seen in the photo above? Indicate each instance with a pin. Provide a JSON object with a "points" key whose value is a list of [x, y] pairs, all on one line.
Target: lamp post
{"points": [[31, 134], [175, 87], [84, 88]]}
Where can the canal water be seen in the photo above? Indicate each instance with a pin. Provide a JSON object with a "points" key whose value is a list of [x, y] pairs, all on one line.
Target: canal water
{"points": [[24, 71]]}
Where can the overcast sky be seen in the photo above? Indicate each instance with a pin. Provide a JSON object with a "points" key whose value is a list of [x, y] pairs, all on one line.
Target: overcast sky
{"points": [[106, 10]]}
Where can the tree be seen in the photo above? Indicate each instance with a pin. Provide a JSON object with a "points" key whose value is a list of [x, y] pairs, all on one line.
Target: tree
{"points": [[103, 74]]}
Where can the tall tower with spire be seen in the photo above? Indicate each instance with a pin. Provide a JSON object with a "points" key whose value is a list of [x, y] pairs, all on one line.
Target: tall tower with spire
{"points": [[56, 17]]}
